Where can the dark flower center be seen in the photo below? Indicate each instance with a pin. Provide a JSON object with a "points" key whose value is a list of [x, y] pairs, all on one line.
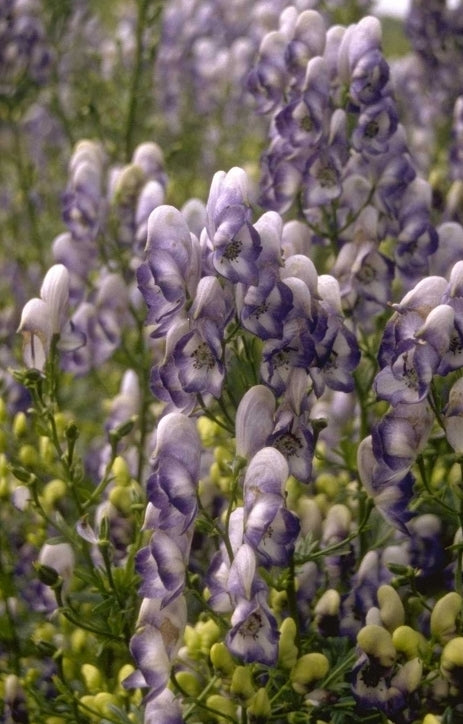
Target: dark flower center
{"points": [[288, 444], [327, 177], [371, 129], [203, 357], [252, 625], [233, 250], [372, 674]]}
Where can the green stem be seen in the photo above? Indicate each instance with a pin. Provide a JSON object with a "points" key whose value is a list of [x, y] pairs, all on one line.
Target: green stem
{"points": [[137, 75]]}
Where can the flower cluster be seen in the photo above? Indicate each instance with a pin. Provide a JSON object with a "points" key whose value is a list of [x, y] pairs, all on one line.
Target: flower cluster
{"points": [[231, 443]]}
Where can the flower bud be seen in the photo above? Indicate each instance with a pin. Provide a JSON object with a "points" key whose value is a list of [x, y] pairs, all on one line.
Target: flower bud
{"points": [[391, 607], [121, 498], [221, 705], [53, 491], [222, 659], [259, 707], [309, 668], [451, 663], [431, 719], [376, 642], [188, 682], [242, 686], [443, 616], [121, 471], [409, 642], [92, 678], [209, 632], [19, 428], [287, 649], [409, 675]]}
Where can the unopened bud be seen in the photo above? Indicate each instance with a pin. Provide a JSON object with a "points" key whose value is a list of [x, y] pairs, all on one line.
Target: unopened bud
{"points": [[221, 705], [408, 678], [92, 678], [259, 707], [242, 686], [376, 642], [221, 659], [444, 615], [391, 607], [451, 663], [287, 649], [189, 683], [409, 642], [308, 669], [121, 471]]}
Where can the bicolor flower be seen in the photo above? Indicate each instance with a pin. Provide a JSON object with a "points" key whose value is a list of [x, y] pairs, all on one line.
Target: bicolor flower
{"points": [[254, 634], [44, 318]]}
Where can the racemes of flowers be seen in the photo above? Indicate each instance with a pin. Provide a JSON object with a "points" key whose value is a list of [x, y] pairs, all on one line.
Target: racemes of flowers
{"points": [[233, 493]]}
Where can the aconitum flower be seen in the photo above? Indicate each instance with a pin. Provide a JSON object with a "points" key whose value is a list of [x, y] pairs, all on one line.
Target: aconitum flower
{"points": [[386, 688], [269, 527], [162, 563], [83, 201], [254, 633], [235, 242], [193, 363], [386, 457], [43, 319]]}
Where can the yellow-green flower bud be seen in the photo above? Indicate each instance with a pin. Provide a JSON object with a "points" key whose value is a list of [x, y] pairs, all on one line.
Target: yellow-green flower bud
{"points": [[409, 676], [391, 607], [376, 642], [278, 600], [444, 615], [287, 649], [121, 471], [221, 659], [451, 662], [189, 682], [53, 491], [192, 641], [79, 640], [46, 449], [209, 633], [259, 708], [327, 483], [328, 604], [223, 457], [221, 705], [242, 686], [55, 720], [92, 678], [409, 642], [19, 427], [308, 669], [432, 719], [208, 431], [103, 702], [121, 497], [28, 455]]}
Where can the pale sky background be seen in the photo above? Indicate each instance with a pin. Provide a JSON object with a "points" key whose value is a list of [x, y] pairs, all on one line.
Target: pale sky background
{"points": [[399, 7]]}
